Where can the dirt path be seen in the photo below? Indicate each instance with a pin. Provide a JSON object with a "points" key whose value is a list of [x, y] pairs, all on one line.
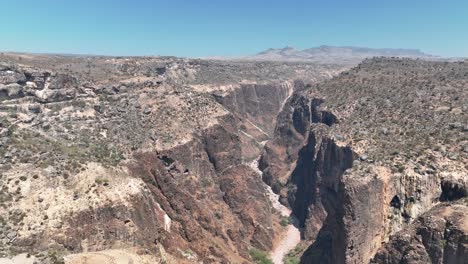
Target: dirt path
{"points": [[291, 238]]}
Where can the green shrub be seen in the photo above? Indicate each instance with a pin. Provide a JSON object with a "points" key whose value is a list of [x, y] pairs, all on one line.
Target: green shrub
{"points": [[291, 259], [260, 257], [285, 221], [293, 256], [54, 258]]}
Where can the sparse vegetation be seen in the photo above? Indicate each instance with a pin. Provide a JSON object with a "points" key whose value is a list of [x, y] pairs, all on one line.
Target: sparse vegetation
{"points": [[54, 258], [291, 260], [260, 257], [294, 256], [285, 221]]}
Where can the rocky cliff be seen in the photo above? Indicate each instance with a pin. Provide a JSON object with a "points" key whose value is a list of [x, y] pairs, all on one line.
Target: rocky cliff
{"points": [[361, 156], [255, 107], [438, 236]]}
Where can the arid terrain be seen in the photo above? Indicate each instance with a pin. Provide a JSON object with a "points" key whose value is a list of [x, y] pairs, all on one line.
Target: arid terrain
{"points": [[175, 160]]}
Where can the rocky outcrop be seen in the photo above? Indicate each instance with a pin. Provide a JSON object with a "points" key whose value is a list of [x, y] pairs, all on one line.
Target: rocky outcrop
{"points": [[42, 86], [438, 236], [9, 75], [189, 191]]}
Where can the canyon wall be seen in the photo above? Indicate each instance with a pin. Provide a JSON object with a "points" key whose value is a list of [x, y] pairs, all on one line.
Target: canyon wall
{"points": [[361, 156], [255, 106]]}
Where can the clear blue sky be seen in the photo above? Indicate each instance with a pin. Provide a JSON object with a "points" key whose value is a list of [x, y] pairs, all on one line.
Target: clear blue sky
{"points": [[230, 27]]}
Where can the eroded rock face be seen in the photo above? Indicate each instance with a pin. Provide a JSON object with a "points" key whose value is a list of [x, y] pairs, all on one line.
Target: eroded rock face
{"points": [[255, 106], [260, 103], [206, 190], [43, 86], [438, 236], [355, 156], [8, 75]]}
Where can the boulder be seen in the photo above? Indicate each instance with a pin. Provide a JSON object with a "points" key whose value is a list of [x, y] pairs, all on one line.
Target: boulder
{"points": [[11, 90], [4, 67], [8, 77], [62, 81], [48, 96]]}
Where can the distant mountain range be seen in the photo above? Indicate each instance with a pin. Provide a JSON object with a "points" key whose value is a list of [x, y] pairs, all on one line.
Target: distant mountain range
{"points": [[341, 55], [333, 54]]}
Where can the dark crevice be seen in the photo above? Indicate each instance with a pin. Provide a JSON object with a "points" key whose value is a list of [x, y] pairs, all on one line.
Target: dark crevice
{"points": [[316, 178], [395, 202], [328, 118], [3, 95], [166, 160], [452, 191], [299, 117], [211, 159], [304, 178], [321, 116]]}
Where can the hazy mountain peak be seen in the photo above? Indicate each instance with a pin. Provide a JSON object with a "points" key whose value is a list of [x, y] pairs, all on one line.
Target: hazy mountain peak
{"points": [[336, 54], [288, 48]]}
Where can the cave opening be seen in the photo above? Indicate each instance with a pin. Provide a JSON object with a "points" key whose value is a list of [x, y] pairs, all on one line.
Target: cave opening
{"points": [[3, 95], [166, 160], [395, 202]]}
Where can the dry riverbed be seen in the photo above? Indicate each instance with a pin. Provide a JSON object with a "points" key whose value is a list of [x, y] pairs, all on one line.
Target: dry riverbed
{"points": [[291, 237]]}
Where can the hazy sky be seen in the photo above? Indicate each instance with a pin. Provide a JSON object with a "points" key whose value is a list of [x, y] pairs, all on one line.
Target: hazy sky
{"points": [[230, 27]]}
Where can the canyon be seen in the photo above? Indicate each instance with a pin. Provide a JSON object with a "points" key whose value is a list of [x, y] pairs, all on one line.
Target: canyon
{"points": [[173, 160]]}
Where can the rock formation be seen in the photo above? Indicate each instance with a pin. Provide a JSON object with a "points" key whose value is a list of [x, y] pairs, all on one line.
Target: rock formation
{"points": [[438, 236]]}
